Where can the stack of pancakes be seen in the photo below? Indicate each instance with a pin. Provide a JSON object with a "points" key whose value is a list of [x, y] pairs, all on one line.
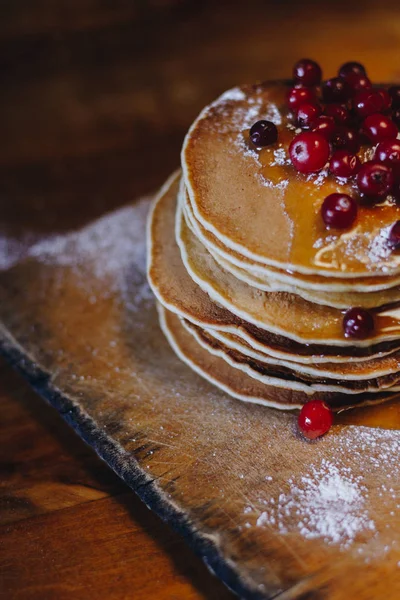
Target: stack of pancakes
{"points": [[252, 287]]}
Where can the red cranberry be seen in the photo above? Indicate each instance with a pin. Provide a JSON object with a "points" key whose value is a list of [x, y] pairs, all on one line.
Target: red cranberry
{"points": [[339, 211], [298, 96], [309, 152], [396, 190], [335, 90], [263, 133], [346, 139], [339, 113], [358, 82], [396, 117], [394, 236], [375, 179], [368, 102], [394, 93], [315, 419], [386, 98], [378, 128], [352, 67], [344, 164], [307, 72], [306, 115], [388, 152], [358, 323], [324, 126]]}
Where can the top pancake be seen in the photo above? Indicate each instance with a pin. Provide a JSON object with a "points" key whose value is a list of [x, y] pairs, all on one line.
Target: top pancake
{"points": [[257, 204]]}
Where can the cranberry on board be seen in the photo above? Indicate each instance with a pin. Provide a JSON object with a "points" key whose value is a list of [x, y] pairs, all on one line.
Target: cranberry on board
{"points": [[339, 211], [263, 133], [394, 236], [374, 179], [350, 68], [358, 323], [344, 164], [307, 72], [306, 115], [379, 127], [325, 126], [309, 152], [299, 95], [315, 419]]}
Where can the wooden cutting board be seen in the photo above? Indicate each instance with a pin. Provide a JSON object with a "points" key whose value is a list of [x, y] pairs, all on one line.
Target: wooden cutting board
{"points": [[271, 515]]}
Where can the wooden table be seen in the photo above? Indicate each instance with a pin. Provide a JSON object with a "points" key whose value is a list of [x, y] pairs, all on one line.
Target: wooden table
{"points": [[96, 98]]}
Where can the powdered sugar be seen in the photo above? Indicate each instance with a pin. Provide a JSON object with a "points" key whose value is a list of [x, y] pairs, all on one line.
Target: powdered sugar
{"points": [[326, 503], [331, 499], [106, 249]]}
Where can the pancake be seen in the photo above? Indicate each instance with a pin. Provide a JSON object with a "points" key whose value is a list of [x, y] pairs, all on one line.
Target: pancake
{"points": [[278, 312], [239, 385], [319, 283], [289, 378], [379, 367], [257, 204], [175, 289]]}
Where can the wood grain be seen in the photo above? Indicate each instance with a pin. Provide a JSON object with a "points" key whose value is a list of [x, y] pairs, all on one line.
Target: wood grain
{"points": [[53, 485], [95, 100]]}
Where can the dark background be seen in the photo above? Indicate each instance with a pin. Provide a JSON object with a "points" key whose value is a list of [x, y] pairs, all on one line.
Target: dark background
{"points": [[95, 99]]}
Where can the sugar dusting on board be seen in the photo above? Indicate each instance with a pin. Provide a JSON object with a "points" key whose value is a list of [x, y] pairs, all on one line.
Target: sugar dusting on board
{"points": [[107, 248], [329, 499]]}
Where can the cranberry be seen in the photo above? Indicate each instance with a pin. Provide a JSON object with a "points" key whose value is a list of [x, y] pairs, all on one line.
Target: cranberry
{"points": [[368, 102], [350, 68], [263, 133], [344, 164], [315, 419], [324, 126], [306, 115], [339, 211], [386, 98], [309, 152], [388, 152], [339, 113], [394, 236], [375, 179], [336, 90], [358, 323], [378, 128], [307, 72], [394, 93], [358, 82], [396, 117], [298, 96], [346, 139]]}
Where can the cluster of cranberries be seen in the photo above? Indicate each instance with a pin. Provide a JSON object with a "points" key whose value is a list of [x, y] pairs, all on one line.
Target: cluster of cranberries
{"points": [[337, 116]]}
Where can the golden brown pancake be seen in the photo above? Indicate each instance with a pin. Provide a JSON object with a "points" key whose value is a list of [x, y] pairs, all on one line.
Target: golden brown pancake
{"points": [[290, 378], [341, 300], [238, 384], [176, 290], [386, 365], [258, 205], [319, 283], [278, 312]]}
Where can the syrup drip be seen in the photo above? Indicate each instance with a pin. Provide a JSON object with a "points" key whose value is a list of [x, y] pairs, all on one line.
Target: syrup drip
{"points": [[384, 416]]}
